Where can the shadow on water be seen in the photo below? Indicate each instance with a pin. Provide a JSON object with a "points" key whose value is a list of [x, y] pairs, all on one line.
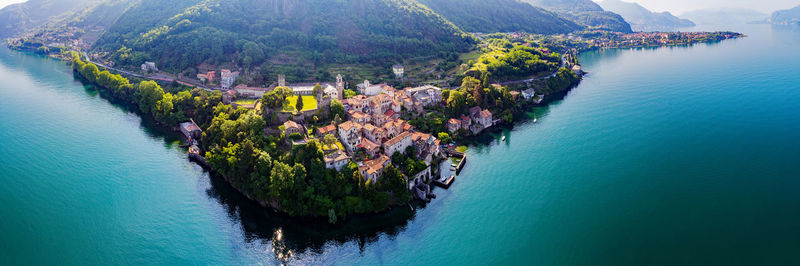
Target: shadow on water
{"points": [[304, 234], [523, 118], [147, 124]]}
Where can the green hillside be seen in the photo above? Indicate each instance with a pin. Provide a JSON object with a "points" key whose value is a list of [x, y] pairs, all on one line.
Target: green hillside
{"points": [[252, 33], [489, 16], [584, 12]]}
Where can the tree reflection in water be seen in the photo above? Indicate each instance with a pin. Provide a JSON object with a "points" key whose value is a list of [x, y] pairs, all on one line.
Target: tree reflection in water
{"points": [[290, 236]]}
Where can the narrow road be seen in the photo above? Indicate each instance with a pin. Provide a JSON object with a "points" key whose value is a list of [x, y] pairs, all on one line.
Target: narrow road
{"points": [[156, 76]]}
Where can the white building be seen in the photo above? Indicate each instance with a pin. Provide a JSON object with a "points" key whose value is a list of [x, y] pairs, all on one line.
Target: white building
{"points": [[336, 160], [397, 144], [371, 90], [398, 70], [227, 78], [529, 93], [425, 95], [350, 135], [577, 70], [250, 92], [149, 66]]}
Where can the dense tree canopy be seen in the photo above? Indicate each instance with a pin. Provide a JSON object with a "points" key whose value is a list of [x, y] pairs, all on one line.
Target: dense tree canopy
{"points": [[297, 182], [186, 33]]}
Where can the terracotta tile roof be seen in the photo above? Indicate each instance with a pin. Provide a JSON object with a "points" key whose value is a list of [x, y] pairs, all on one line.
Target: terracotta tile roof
{"points": [[375, 166], [291, 124], [357, 115], [326, 129], [417, 136], [349, 125], [369, 127], [397, 139], [368, 145], [336, 156], [190, 126]]}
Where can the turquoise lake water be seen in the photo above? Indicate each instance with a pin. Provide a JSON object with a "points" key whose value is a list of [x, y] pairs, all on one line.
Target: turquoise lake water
{"points": [[668, 156]]}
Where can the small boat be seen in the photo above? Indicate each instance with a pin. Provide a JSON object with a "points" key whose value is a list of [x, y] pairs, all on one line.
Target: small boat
{"points": [[535, 120], [503, 138]]}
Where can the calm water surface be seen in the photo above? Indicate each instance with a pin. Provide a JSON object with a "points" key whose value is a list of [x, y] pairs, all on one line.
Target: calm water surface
{"points": [[685, 155]]}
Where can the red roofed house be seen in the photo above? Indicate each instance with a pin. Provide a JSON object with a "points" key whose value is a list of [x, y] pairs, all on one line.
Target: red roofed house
{"points": [[292, 127], [453, 125], [373, 169], [372, 148], [484, 118], [229, 96], [191, 130], [329, 129], [358, 117]]}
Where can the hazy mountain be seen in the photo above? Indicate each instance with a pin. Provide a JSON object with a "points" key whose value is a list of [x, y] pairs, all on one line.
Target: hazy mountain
{"points": [[23, 17], [642, 19], [724, 16], [500, 16], [584, 12], [785, 17]]}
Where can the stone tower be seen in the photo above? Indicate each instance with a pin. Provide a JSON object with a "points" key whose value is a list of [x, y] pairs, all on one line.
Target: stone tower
{"points": [[340, 86], [281, 80]]}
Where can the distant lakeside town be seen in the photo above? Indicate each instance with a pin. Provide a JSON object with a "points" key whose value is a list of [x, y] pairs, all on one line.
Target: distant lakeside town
{"points": [[368, 146]]}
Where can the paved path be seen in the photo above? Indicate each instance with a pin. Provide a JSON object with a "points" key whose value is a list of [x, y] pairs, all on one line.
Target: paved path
{"points": [[156, 76]]}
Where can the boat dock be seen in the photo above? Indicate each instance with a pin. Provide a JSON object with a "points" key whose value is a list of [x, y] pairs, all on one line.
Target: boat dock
{"points": [[446, 183], [457, 154]]}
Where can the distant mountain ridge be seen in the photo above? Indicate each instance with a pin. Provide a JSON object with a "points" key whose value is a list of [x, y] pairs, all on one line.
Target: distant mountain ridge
{"points": [[786, 17], [500, 16], [724, 16], [642, 19], [23, 17], [585, 12]]}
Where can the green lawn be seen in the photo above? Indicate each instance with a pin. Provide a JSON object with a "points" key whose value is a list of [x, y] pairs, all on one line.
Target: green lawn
{"points": [[338, 145], [245, 101], [309, 103]]}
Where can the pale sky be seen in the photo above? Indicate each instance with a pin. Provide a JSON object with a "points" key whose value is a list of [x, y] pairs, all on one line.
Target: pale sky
{"points": [[678, 7], [4, 3]]}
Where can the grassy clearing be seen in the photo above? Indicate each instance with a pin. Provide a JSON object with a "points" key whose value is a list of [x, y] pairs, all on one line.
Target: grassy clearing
{"points": [[245, 101], [309, 103]]}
